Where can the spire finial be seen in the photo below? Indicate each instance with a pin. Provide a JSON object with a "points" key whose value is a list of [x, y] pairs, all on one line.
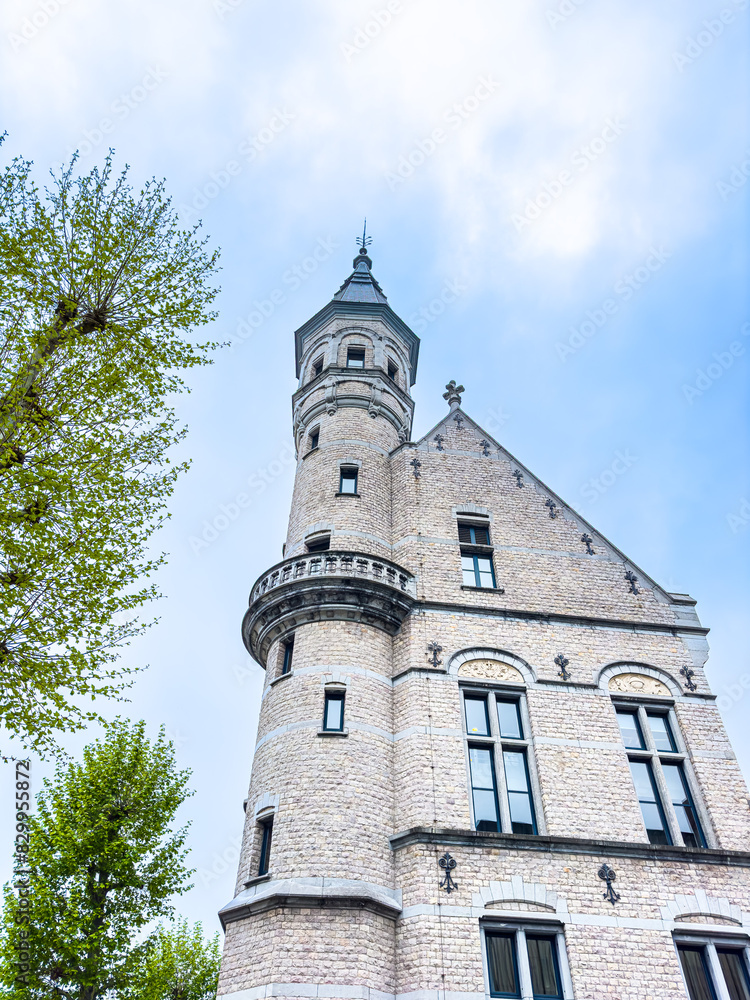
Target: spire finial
{"points": [[363, 242], [453, 395]]}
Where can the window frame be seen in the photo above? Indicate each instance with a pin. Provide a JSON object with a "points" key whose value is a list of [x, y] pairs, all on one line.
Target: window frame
{"points": [[352, 474], [497, 744], [313, 439], [318, 543], [317, 366], [356, 349], [287, 656], [391, 369], [266, 841], [711, 945], [656, 758], [518, 930], [476, 550], [329, 695]]}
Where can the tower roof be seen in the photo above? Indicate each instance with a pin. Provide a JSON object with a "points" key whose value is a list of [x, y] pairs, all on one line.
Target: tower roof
{"points": [[361, 285]]}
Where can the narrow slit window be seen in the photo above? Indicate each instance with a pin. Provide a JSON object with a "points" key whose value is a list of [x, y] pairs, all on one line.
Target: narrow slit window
{"points": [[682, 803], [355, 357], [392, 370], [286, 663], [265, 846], [483, 788], [348, 480], [651, 806], [333, 712], [314, 439]]}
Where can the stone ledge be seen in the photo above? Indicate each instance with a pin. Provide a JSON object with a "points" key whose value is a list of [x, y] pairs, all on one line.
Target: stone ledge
{"points": [[568, 845], [312, 892]]}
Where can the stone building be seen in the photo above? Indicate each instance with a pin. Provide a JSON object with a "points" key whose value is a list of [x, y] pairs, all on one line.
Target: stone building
{"points": [[489, 763]]}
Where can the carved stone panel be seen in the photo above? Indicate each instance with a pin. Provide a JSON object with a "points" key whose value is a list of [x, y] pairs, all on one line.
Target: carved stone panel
{"points": [[638, 684], [491, 670]]}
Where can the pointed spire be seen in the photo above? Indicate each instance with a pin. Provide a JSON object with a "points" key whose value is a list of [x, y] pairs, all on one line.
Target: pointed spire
{"points": [[361, 285]]}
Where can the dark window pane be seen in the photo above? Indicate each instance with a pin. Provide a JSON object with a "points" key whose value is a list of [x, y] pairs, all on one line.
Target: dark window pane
{"points": [[651, 808], [288, 652], [318, 366], [392, 371], [333, 717], [545, 978], [683, 804], [265, 847], [735, 974], [314, 440], [661, 732], [502, 965], [519, 793], [483, 788], [477, 721], [348, 483], [355, 357], [696, 974], [509, 720], [630, 729]]}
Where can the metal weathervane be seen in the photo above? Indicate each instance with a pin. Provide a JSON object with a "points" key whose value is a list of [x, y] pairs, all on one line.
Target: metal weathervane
{"points": [[364, 242]]}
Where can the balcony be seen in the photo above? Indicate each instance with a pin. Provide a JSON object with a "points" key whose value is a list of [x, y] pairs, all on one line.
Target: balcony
{"points": [[331, 586]]}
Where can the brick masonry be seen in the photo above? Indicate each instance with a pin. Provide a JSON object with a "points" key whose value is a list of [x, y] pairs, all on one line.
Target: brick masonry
{"points": [[351, 905]]}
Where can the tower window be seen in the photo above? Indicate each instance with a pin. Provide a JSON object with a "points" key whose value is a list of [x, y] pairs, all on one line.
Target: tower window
{"points": [[286, 662], [314, 439], [355, 357], [476, 555], [265, 846], [659, 774], [333, 712], [317, 366], [392, 370], [320, 544], [348, 480], [499, 765]]}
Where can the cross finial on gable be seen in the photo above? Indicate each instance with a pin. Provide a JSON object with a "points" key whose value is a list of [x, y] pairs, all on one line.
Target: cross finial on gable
{"points": [[453, 395]]}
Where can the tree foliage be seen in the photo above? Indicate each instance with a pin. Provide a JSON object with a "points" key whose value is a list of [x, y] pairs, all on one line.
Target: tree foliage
{"points": [[103, 862], [99, 292], [178, 964]]}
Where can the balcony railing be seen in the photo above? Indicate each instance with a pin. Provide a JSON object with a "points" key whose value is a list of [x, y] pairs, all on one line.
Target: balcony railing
{"points": [[348, 565]]}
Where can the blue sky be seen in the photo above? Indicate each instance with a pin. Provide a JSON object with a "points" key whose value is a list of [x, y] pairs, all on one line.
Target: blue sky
{"points": [[573, 177]]}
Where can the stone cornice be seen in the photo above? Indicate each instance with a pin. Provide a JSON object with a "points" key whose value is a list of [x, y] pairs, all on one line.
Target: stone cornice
{"points": [[568, 845]]}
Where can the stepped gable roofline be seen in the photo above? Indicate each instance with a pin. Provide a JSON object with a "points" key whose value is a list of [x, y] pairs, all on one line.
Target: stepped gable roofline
{"points": [[360, 296], [671, 599]]}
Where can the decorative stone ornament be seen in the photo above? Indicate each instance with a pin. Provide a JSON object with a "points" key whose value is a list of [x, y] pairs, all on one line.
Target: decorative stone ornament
{"points": [[458, 420], [453, 395], [416, 465], [638, 684], [550, 504], [608, 875], [492, 670], [438, 439], [448, 864], [688, 673], [485, 446]]}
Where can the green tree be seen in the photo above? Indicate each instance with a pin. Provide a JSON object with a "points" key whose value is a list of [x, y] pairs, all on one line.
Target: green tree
{"points": [[99, 291], [103, 862], [178, 964]]}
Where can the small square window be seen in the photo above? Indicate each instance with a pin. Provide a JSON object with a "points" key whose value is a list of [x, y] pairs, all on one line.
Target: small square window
{"points": [[286, 663], [265, 846], [321, 544], [333, 712], [314, 438], [348, 480], [355, 357], [317, 366]]}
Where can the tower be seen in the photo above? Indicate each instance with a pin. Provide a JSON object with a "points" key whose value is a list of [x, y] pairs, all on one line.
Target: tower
{"points": [[488, 760]]}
